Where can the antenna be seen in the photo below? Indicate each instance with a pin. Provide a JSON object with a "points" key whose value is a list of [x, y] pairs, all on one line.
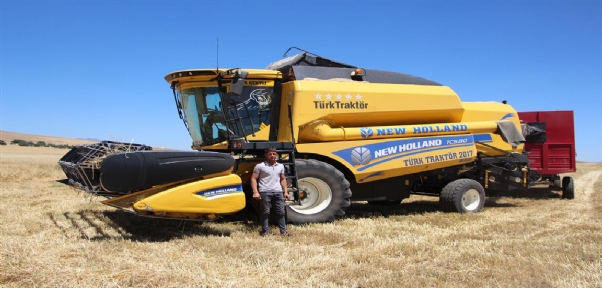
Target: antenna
{"points": [[217, 54]]}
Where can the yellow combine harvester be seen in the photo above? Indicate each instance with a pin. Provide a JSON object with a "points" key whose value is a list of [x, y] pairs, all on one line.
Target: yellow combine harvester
{"points": [[343, 133]]}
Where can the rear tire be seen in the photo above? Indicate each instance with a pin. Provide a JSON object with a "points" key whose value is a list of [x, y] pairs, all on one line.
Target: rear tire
{"points": [[463, 196], [328, 193], [568, 188]]}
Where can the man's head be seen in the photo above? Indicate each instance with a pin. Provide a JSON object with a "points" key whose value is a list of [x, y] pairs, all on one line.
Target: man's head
{"points": [[271, 154]]}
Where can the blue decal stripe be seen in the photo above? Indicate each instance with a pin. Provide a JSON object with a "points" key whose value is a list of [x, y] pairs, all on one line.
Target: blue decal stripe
{"points": [[509, 115], [482, 137], [409, 154], [379, 173], [421, 150], [220, 191], [346, 153], [342, 153]]}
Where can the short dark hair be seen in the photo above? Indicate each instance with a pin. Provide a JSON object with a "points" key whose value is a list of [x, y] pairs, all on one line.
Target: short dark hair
{"points": [[271, 150]]}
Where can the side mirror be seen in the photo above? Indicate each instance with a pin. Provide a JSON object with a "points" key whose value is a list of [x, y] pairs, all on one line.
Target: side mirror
{"points": [[238, 81]]}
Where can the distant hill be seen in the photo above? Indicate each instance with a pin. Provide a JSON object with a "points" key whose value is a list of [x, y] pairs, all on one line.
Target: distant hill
{"points": [[10, 136]]}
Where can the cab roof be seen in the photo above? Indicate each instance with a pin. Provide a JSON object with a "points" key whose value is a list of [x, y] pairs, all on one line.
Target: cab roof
{"points": [[210, 73]]}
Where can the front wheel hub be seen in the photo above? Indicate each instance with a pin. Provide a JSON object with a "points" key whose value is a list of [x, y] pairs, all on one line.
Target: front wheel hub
{"points": [[314, 196], [471, 199], [302, 195]]}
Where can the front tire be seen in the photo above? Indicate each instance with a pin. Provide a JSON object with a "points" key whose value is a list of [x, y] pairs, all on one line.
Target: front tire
{"points": [[463, 196], [568, 188], [327, 190]]}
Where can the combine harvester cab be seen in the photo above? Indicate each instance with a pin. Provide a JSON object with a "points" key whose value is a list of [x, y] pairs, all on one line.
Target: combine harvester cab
{"points": [[344, 134], [191, 185]]}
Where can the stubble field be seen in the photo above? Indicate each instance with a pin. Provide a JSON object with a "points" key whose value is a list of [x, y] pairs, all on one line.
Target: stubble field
{"points": [[53, 235]]}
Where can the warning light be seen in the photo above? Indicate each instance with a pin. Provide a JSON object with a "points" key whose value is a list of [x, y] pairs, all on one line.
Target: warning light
{"points": [[358, 74]]}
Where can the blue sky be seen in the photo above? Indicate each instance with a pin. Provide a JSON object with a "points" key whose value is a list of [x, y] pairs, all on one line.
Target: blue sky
{"points": [[94, 69]]}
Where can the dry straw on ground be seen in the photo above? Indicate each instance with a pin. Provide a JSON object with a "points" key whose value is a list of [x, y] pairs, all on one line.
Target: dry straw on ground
{"points": [[53, 236]]}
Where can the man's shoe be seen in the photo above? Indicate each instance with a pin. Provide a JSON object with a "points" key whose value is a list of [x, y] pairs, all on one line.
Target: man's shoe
{"points": [[264, 233], [285, 234]]}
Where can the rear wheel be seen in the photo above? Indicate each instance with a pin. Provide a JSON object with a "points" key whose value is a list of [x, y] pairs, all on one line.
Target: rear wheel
{"points": [[568, 188], [555, 182], [325, 191], [463, 196]]}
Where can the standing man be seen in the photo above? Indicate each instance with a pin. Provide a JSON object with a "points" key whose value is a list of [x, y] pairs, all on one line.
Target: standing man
{"points": [[269, 186]]}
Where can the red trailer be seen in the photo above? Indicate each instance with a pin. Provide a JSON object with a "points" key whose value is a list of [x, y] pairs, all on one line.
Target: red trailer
{"points": [[550, 146]]}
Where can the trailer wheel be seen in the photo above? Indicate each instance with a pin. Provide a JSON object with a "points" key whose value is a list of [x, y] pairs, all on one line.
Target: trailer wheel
{"points": [[327, 193], [463, 196], [568, 188], [555, 182]]}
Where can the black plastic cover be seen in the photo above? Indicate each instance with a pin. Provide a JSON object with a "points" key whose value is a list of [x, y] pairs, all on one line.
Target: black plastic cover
{"points": [[534, 132], [307, 66], [372, 75], [134, 171]]}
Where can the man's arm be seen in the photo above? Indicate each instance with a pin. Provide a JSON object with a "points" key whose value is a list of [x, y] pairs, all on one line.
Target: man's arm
{"points": [[284, 184], [254, 178]]}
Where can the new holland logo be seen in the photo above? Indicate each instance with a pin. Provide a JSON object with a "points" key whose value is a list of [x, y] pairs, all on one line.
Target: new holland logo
{"points": [[361, 156], [366, 132]]}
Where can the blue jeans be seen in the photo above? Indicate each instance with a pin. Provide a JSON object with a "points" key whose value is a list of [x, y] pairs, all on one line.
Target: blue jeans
{"points": [[269, 200]]}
